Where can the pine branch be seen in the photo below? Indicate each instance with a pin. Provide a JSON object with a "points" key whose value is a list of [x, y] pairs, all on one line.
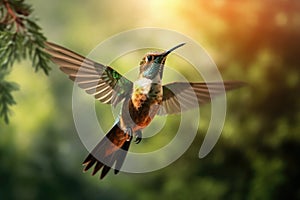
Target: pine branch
{"points": [[6, 99], [20, 38]]}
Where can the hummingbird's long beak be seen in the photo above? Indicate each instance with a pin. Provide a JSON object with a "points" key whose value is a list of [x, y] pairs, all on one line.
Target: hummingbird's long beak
{"points": [[172, 49], [162, 56]]}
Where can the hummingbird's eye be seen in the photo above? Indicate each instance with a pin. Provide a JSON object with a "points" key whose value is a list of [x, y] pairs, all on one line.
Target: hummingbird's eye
{"points": [[149, 58]]}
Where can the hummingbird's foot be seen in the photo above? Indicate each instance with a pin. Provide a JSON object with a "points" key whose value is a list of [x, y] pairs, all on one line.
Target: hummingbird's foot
{"points": [[138, 136], [128, 131]]}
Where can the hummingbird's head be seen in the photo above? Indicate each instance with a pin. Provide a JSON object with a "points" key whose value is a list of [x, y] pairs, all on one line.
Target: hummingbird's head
{"points": [[152, 64]]}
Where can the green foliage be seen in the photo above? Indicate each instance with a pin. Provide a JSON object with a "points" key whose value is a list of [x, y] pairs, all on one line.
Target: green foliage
{"points": [[6, 99], [20, 38]]}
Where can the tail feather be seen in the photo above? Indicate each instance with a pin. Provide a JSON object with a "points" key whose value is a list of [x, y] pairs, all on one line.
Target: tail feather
{"points": [[110, 150], [89, 163], [105, 170], [97, 168], [121, 155], [87, 159]]}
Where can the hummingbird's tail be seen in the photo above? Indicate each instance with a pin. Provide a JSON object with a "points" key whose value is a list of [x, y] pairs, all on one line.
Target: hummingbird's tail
{"points": [[111, 149]]}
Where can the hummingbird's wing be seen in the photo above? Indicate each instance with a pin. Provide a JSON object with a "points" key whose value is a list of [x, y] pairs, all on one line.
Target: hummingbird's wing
{"points": [[182, 96], [103, 82]]}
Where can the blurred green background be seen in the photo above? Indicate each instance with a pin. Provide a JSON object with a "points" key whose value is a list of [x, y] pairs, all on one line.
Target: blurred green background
{"points": [[257, 155]]}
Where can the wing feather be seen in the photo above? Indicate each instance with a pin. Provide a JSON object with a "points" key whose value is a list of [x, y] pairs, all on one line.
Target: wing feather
{"points": [[181, 96], [103, 82]]}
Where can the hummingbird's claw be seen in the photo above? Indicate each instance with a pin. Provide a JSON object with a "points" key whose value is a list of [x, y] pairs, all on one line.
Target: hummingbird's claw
{"points": [[128, 131], [138, 140], [138, 137], [137, 134]]}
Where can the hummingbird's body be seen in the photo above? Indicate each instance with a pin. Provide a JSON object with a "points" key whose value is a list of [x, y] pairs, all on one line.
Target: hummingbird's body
{"points": [[143, 107], [144, 102], [142, 99]]}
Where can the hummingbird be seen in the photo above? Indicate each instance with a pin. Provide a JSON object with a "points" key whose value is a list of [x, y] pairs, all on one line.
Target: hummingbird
{"points": [[141, 100]]}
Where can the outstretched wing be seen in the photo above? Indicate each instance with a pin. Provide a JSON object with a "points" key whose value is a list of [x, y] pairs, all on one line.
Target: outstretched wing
{"points": [[181, 96], [103, 82]]}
